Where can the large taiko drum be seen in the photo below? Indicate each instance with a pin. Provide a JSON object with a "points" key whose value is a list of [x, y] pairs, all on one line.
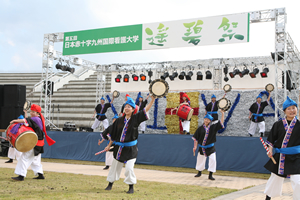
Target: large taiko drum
{"points": [[185, 112], [24, 140]]}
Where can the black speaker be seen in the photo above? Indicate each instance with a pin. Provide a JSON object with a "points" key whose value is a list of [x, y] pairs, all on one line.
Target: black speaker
{"points": [[9, 113], [14, 95]]}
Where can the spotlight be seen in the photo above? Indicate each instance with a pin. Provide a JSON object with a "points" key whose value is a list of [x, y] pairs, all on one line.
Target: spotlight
{"points": [[142, 77], [244, 72], [58, 66], [235, 72], [208, 74], [118, 78], [225, 69], [280, 56], [253, 74], [65, 68], [264, 73], [135, 77], [199, 76], [163, 77], [150, 73], [173, 76], [188, 76], [126, 78], [226, 78], [181, 75]]}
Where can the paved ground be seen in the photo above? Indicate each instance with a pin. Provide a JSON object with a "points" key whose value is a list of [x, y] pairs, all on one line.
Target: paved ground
{"points": [[252, 193]]}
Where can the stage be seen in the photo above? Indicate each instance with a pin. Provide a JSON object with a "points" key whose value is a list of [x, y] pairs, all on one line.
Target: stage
{"points": [[245, 154]]}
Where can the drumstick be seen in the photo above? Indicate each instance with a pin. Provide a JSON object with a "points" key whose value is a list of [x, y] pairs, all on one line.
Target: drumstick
{"points": [[265, 146], [103, 151]]}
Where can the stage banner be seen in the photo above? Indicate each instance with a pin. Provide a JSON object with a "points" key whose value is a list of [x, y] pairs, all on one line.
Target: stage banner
{"points": [[172, 34]]}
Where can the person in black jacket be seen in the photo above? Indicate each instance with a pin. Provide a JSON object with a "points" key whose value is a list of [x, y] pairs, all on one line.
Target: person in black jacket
{"points": [[142, 104]]}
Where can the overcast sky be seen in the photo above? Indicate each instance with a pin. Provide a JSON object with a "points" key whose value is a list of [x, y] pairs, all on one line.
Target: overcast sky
{"points": [[23, 24]]}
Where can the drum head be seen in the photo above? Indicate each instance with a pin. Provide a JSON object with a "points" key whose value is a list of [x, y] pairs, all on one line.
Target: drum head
{"points": [[223, 103], [26, 141], [190, 114], [269, 87], [27, 105], [159, 88], [227, 88], [116, 94]]}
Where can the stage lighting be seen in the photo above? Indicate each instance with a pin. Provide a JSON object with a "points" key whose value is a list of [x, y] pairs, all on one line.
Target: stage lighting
{"points": [[188, 76], [150, 73], [164, 76], [225, 69], [235, 72], [58, 66], [226, 78], [118, 78], [244, 72], [280, 56], [65, 68], [264, 73], [142, 77], [173, 76], [135, 77], [253, 74], [199, 76], [208, 74], [181, 75], [126, 78]]}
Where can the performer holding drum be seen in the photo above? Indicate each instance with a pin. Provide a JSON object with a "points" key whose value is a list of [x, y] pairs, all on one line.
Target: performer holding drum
{"points": [[142, 104], [256, 116], [285, 139], [205, 137], [212, 107], [31, 157], [100, 111]]}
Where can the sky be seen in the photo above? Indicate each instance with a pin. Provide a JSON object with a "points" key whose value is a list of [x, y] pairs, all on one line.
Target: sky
{"points": [[24, 23]]}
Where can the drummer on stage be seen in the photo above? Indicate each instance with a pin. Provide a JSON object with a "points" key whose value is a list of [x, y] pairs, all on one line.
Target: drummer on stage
{"points": [[256, 115], [212, 107], [124, 134], [205, 137], [285, 139], [142, 104], [185, 123], [100, 111], [32, 157], [106, 136]]}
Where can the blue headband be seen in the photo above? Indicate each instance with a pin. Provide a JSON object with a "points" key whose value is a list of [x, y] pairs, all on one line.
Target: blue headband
{"points": [[213, 96], [102, 98], [259, 96], [208, 116], [289, 102], [140, 96], [116, 116], [130, 102]]}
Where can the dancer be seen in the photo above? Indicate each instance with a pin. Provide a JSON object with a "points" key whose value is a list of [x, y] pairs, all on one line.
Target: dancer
{"points": [[33, 157], [13, 153], [205, 137], [256, 116], [100, 111], [122, 109], [106, 136], [285, 139], [124, 134], [185, 123], [212, 107], [142, 105]]}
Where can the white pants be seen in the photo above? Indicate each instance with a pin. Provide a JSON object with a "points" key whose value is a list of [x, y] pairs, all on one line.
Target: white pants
{"points": [[97, 123], [185, 125], [13, 153], [109, 157], [28, 159], [253, 125], [275, 183], [142, 126], [212, 162], [116, 168]]}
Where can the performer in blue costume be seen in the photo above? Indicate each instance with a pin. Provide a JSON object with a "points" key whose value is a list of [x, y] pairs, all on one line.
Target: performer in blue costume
{"points": [[99, 112], [212, 107], [285, 139]]}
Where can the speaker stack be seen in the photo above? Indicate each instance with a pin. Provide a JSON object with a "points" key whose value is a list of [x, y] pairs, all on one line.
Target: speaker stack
{"points": [[12, 99]]}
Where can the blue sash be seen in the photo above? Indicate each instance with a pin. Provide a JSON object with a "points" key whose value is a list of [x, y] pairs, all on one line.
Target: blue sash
{"points": [[257, 115], [288, 150], [212, 112], [126, 144], [100, 114], [207, 146]]}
